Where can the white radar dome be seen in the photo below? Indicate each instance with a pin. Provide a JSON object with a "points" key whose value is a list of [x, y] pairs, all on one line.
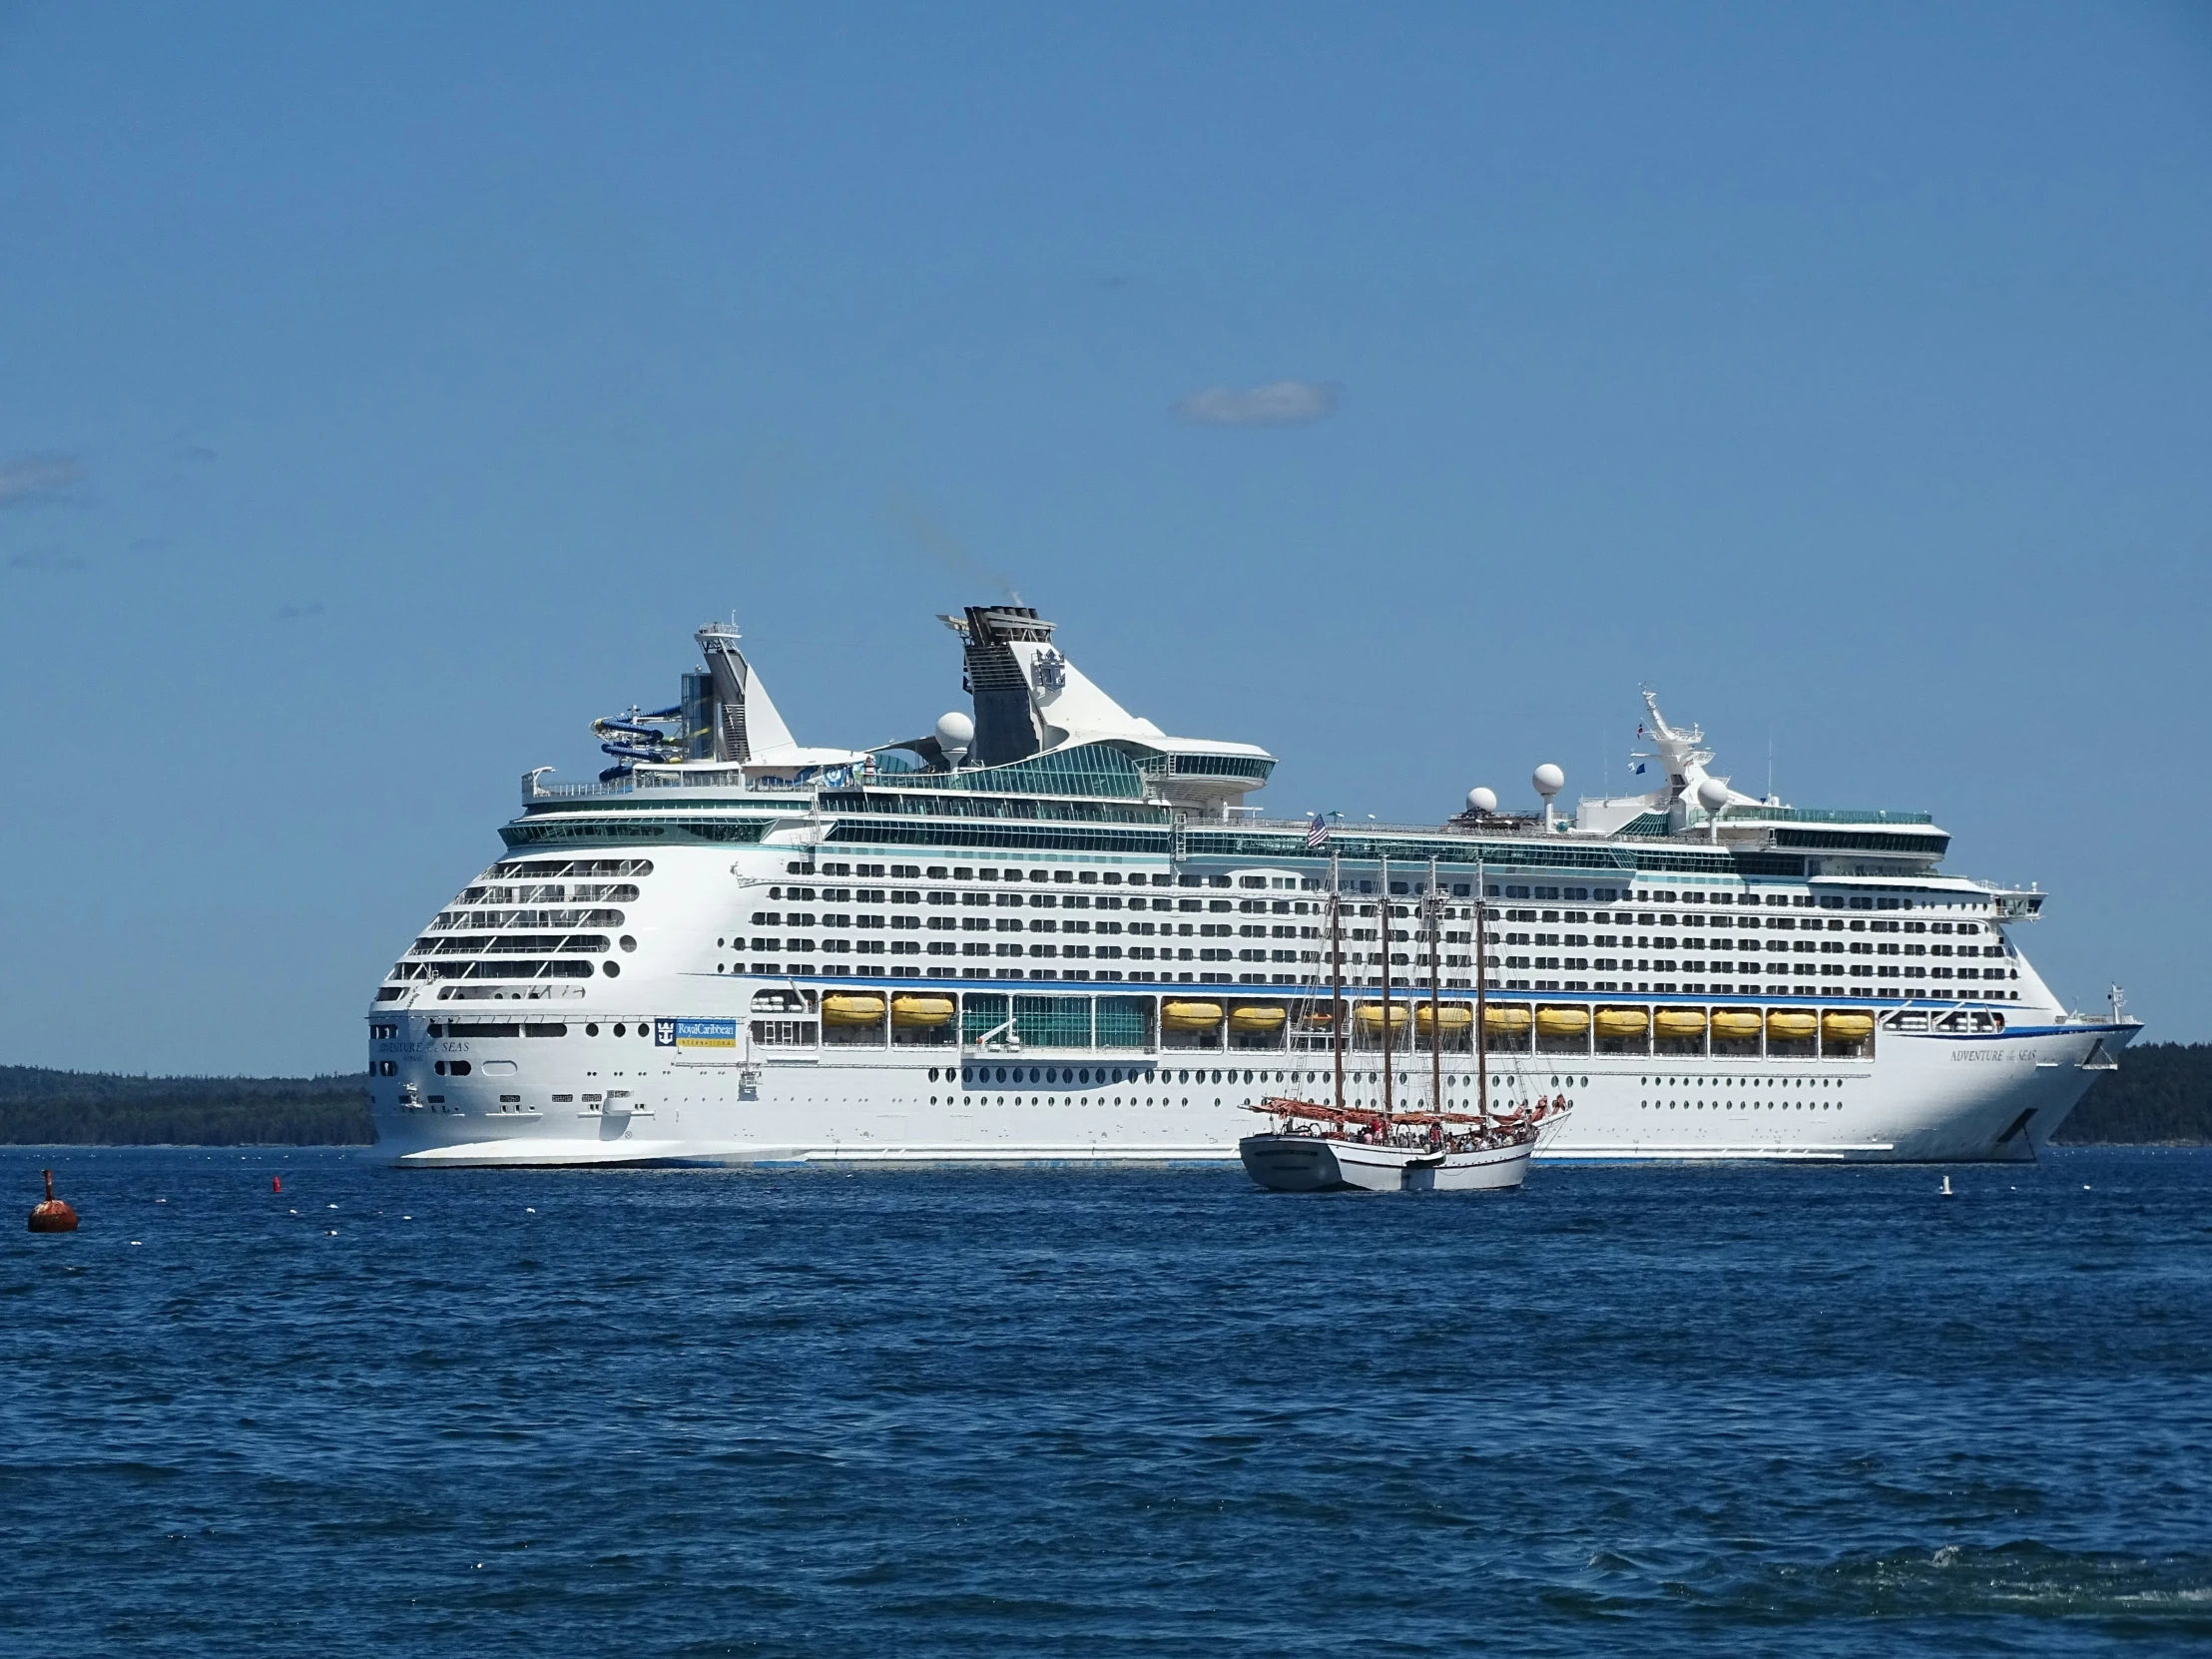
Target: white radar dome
{"points": [[955, 735], [1549, 780], [1712, 795], [1482, 801]]}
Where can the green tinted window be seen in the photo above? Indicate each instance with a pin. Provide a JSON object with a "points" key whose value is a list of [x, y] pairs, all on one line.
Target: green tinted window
{"points": [[1125, 1022], [981, 1015], [1053, 1021]]}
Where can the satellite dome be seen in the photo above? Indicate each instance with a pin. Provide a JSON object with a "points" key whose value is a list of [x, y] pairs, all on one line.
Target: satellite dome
{"points": [[1549, 780], [1482, 801], [955, 737], [1712, 795]]}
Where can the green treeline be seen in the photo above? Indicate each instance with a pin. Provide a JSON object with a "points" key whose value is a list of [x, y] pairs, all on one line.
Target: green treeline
{"points": [[2160, 1096], [89, 1108]]}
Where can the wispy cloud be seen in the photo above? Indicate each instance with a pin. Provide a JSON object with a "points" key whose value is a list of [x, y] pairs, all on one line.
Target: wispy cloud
{"points": [[29, 479], [46, 558], [292, 613], [1277, 403]]}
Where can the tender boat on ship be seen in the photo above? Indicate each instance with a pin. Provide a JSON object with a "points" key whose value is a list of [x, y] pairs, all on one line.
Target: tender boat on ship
{"points": [[1049, 930]]}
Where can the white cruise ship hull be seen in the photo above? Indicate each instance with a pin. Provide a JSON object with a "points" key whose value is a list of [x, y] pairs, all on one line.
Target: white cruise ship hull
{"points": [[1928, 1097]]}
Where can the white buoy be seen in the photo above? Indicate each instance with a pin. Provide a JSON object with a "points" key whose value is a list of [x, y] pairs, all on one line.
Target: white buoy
{"points": [[1948, 1193]]}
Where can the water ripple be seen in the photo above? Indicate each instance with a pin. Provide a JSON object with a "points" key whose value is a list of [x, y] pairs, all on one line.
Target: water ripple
{"points": [[1805, 1411]]}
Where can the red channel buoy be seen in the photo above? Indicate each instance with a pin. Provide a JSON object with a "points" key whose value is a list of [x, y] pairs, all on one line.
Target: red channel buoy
{"points": [[276, 1183], [53, 1216]]}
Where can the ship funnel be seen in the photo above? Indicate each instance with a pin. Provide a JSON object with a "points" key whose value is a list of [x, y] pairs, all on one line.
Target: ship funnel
{"points": [[744, 722], [1007, 724]]}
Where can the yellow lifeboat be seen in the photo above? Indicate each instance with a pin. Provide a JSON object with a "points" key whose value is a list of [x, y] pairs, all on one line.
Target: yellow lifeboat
{"points": [[1622, 1022], [1563, 1023], [848, 1008], [1680, 1022], [1256, 1020], [1739, 1024], [1792, 1025], [921, 1010], [1452, 1018], [1508, 1017], [1189, 1016], [1369, 1015], [1847, 1028]]}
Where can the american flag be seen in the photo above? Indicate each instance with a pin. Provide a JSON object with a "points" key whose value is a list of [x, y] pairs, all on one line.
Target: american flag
{"points": [[1317, 834]]}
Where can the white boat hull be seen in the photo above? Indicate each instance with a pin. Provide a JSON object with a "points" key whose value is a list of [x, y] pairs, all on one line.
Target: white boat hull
{"points": [[1919, 1098], [1314, 1164]]}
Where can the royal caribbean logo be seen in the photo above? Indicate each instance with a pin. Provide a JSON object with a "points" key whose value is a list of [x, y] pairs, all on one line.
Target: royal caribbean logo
{"points": [[694, 1033]]}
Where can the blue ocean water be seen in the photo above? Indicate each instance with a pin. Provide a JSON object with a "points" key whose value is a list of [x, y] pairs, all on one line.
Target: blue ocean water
{"points": [[1788, 1410]]}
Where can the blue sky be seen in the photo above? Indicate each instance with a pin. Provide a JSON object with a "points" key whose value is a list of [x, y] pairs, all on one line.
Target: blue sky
{"points": [[384, 392]]}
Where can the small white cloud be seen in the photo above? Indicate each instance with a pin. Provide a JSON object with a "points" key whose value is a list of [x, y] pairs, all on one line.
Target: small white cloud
{"points": [[31, 478], [1277, 403]]}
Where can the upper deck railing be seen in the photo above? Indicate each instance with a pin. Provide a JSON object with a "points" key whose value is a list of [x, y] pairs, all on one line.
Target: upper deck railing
{"points": [[1818, 814], [732, 780]]}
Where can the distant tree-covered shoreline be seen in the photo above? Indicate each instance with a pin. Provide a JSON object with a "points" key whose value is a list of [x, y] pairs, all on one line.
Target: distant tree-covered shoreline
{"points": [[2160, 1096], [39, 1107]]}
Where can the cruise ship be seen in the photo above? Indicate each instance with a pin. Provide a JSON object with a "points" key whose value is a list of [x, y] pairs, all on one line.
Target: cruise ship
{"points": [[1048, 932]]}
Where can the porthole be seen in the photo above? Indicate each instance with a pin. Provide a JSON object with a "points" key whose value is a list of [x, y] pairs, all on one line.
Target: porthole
{"points": [[932, 1078], [622, 1031], [591, 1030], [613, 970], [1002, 1074], [627, 942], [439, 1068]]}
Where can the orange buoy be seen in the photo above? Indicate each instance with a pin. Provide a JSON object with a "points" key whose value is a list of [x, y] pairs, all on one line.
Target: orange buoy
{"points": [[53, 1216]]}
